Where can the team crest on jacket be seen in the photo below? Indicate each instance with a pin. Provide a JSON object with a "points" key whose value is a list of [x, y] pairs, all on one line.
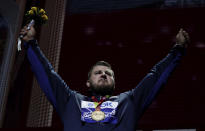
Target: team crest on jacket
{"points": [[107, 107]]}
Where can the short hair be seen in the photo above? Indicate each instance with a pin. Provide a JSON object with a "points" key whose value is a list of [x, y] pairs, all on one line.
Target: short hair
{"points": [[99, 63]]}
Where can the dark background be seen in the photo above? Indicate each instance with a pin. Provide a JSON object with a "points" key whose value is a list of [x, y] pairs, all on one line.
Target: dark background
{"points": [[132, 36]]}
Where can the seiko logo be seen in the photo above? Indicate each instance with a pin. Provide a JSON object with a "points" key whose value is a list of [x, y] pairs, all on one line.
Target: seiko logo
{"points": [[107, 104], [90, 105]]}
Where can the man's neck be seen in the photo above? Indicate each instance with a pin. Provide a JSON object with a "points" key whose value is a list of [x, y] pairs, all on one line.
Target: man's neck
{"points": [[99, 97]]}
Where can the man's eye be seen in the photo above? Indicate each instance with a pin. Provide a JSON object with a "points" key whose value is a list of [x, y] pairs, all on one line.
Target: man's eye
{"points": [[108, 73], [97, 72]]}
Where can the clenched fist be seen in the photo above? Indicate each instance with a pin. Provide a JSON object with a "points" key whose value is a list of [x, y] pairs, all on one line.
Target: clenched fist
{"points": [[182, 38], [28, 34]]}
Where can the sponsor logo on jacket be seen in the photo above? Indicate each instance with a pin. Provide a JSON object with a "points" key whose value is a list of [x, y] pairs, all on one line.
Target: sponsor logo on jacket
{"points": [[108, 107]]}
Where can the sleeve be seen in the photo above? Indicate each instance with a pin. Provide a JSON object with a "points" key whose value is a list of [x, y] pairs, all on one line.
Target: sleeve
{"points": [[147, 89], [55, 89]]}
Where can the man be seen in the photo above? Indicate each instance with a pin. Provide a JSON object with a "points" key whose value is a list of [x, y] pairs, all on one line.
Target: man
{"points": [[101, 111]]}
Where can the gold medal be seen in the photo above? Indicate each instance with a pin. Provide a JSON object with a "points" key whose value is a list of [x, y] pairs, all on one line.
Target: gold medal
{"points": [[98, 115]]}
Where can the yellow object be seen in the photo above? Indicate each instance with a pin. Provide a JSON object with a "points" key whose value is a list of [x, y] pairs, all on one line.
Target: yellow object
{"points": [[96, 104], [30, 12], [45, 17], [34, 9], [37, 14], [42, 11]]}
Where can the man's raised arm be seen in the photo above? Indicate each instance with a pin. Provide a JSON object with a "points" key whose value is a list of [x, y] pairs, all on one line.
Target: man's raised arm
{"points": [[50, 82], [147, 89]]}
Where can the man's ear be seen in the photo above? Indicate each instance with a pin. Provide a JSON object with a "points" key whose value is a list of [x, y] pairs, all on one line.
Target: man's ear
{"points": [[88, 83]]}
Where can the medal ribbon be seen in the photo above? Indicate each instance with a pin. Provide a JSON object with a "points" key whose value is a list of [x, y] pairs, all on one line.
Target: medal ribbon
{"points": [[98, 103]]}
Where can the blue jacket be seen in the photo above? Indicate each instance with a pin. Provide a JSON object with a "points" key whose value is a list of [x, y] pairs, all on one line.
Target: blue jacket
{"points": [[122, 112]]}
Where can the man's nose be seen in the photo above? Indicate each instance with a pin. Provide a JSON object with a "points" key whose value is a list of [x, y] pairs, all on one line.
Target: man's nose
{"points": [[104, 75]]}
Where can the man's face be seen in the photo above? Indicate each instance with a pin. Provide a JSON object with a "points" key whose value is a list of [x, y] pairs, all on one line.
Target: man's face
{"points": [[101, 80]]}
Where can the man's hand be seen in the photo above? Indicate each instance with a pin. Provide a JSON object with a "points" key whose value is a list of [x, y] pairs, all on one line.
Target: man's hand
{"points": [[28, 34], [182, 38]]}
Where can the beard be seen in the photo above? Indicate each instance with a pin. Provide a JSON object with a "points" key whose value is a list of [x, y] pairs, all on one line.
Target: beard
{"points": [[102, 89]]}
